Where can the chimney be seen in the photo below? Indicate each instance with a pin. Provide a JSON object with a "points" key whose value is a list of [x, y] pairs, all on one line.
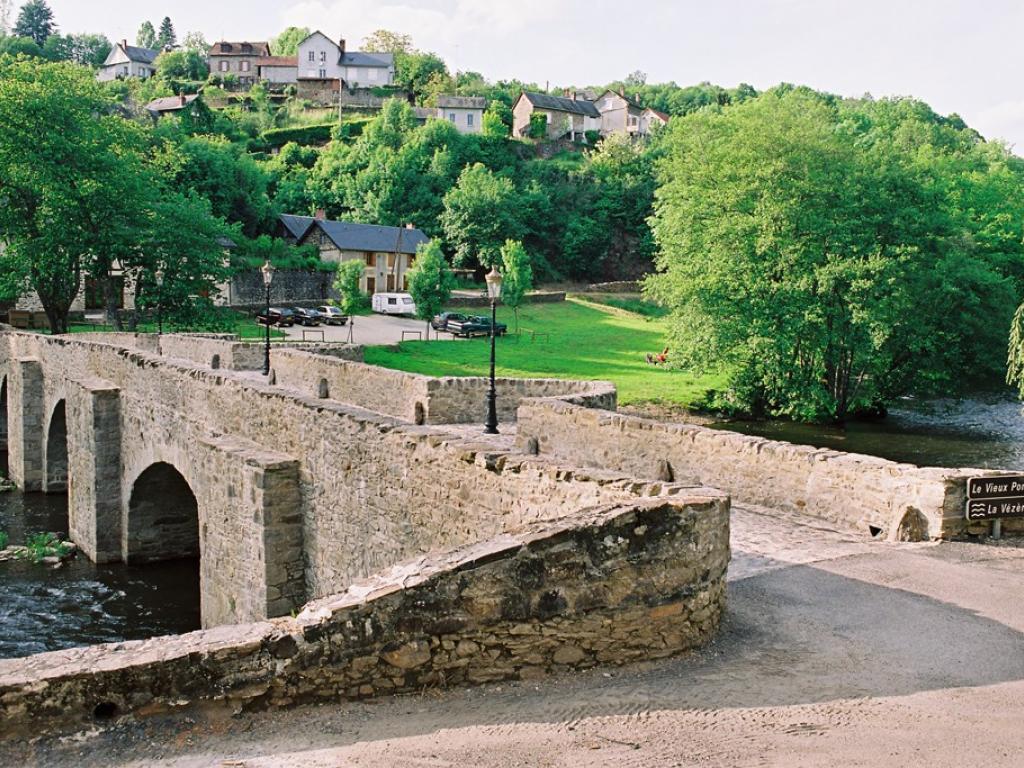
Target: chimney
{"points": [[320, 214], [410, 225], [573, 97], [622, 91], [341, 45], [124, 44]]}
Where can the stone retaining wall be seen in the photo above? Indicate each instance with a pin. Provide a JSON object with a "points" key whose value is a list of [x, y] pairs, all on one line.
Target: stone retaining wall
{"points": [[226, 351], [609, 585], [422, 399], [883, 498], [533, 297]]}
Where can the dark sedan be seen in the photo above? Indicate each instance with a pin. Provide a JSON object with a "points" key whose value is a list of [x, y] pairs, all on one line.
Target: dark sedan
{"points": [[280, 317], [477, 325], [440, 322], [304, 316]]}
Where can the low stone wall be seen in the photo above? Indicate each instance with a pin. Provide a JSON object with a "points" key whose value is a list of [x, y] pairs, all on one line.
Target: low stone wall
{"points": [[618, 286], [609, 585], [883, 498], [533, 297], [226, 351], [246, 290], [422, 399]]}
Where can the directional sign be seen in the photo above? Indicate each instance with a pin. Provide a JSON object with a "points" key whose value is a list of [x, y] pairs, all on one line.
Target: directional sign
{"points": [[995, 487], [995, 497]]}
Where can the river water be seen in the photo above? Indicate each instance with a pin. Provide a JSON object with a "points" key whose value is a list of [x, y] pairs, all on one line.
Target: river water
{"points": [[984, 432], [45, 609]]}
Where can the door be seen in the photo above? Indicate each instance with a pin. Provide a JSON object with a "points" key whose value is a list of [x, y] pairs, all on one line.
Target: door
{"points": [[391, 281], [371, 285]]}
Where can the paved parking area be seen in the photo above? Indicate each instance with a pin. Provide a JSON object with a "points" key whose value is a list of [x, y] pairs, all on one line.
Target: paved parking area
{"points": [[367, 330]]}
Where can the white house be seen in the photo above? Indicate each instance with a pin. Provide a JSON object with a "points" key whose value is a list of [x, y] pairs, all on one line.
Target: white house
{"points": [[466, 113], [320, 58], [128, 61]]}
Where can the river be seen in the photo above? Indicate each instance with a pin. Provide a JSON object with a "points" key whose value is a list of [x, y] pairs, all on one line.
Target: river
{"points": [[79, 603], [984, 431]]}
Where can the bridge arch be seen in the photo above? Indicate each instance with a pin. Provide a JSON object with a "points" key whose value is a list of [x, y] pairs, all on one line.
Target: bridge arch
{"points": [[56, 456], [162, 521]]}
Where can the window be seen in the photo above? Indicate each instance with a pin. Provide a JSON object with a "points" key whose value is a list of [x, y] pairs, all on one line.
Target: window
{"points": [[312, 55], [224, 66], [244, 66], [632, 120], [370, 260], [469, 119], [392, 300], [323, 56], [323, 74], [391, 261], [451, 116]]}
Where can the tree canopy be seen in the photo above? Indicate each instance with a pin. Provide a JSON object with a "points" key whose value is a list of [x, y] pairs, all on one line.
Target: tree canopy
{"points": [[287, 43], [825, 253], [146, 36], [166, 36], [35, 21]]}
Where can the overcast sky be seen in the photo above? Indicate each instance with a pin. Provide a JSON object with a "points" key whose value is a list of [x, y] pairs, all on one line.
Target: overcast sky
{"points": [[959, 56]]}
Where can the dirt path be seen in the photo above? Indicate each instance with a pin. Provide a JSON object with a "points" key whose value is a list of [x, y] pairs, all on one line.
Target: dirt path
{"points": [[836, 651]]}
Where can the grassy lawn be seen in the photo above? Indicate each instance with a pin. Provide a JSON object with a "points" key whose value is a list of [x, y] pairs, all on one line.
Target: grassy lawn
{"points": [[587, 341]]}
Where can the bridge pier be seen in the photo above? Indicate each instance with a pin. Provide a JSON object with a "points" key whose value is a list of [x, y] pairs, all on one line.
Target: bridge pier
{"points": [[26, 415], [94, 468]]}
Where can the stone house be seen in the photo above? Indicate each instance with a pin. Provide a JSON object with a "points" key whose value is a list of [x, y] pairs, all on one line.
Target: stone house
{"points": [[387, 252], [651, 119], [238, 59], [466, 113], [568, 117], [619, 114], [125, 61], [278, 70], [172, 105], [325, 66]]}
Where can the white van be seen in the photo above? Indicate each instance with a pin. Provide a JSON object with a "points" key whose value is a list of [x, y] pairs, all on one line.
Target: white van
{"points": [[393, 304]]}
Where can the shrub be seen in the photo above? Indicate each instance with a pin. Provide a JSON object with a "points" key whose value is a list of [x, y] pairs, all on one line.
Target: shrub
{"points": [[40, 545], [307, 134], [538, 125]]}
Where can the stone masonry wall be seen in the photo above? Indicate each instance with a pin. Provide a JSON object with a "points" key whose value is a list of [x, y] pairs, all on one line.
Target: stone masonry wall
{"points": [[226, 351], [608, 585], [372, 491], [884, 498], [421, 399]]}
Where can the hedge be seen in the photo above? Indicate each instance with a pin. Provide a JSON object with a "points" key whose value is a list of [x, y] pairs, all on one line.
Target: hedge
{"points": [[307, 134]]}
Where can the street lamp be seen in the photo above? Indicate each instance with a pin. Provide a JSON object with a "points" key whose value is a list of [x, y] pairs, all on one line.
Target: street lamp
{"points": [[493, 279], [268, 277], [159, 275]]}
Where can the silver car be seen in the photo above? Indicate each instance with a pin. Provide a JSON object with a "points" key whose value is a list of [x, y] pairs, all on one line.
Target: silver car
{"points": [[332, 316]]}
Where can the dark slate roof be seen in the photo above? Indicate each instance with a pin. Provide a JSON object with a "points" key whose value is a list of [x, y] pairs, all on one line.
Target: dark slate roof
{"points": [[562, 104], [141, 55], [170, 103], [349, 236], [226, 48], [360, 59], [462, 102], [297, 225]]}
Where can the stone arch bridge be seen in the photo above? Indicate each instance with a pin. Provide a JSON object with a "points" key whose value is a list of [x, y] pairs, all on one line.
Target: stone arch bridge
{"points": [[176, 447]]}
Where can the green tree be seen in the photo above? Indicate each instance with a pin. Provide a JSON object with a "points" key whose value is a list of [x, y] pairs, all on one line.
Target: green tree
{"points": [[20, 46], [352, 299], [415, 69], [385, 41], [35, 20], [182, 64], [196, 41], [146, 36], [430, 282], [166, 36], [812, 249], [497, 122], [287, 43], [538, 125], [480, 213], [517, 274]]}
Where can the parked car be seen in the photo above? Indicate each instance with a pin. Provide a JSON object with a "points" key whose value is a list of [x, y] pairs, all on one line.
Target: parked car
{"points": [[306, 316], [332, 316], [278, 316], [440, 322], [393, 304], [477, 325]]}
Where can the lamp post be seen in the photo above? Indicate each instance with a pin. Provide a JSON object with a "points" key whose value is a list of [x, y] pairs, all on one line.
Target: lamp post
{"points": [[493, 279], [159, 276], [268, 277]]}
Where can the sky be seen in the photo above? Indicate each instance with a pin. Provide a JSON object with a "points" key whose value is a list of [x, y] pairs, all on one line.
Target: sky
{"points": [[958, 56]]}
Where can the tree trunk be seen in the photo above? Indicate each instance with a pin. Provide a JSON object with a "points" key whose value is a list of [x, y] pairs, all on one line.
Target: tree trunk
{"points": [[58, 319], [110, 303]]}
